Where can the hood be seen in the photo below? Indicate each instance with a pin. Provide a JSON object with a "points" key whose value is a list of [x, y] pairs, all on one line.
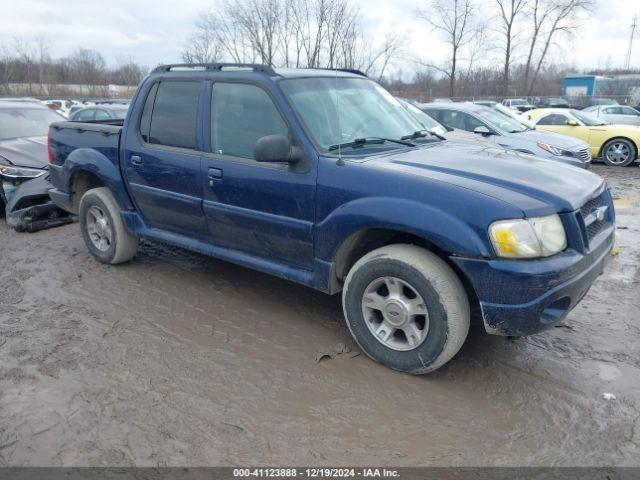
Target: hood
{"points": [[554, 139], [25, 151], [534, 185]]}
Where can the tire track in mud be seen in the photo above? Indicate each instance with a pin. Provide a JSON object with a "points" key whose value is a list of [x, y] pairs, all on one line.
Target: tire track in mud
{"points": [[179, 359]]}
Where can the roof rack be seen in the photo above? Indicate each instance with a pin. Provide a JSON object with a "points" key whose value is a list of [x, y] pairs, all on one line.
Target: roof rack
{"points": [[218, 67], [349, 70]]}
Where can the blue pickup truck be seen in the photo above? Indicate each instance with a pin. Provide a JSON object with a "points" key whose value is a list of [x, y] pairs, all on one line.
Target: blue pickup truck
{"points": [[323, 178]]}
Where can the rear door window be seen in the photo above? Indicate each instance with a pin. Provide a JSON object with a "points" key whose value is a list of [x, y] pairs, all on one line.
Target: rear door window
{"points": [[175, 113], [240, 115], [145, 118]]}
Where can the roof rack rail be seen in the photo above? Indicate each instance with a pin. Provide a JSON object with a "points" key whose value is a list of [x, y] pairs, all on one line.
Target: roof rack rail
{"points": [[350, 70], [256, 67]]}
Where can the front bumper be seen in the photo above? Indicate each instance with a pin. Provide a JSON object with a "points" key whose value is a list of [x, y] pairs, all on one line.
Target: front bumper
{"points": [[521, 297], [62, 199], [576, 162]]}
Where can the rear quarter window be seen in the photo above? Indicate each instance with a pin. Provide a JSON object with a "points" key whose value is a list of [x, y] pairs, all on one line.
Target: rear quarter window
{"points": [[174, 115]]}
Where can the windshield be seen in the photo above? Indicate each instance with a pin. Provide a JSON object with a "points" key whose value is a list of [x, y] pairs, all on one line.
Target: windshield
{"points": [[425, 120], [501, 121], [512, 114], [341, 110], [587, 118], [518, 102], [26, 122]]}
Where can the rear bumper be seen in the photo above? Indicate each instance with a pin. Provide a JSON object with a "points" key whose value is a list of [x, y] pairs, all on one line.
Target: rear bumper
{"points": [[525, 297], [62, 199]]}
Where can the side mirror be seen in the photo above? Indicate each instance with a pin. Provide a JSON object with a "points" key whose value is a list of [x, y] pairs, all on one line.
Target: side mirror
{"points": [[572, 123], [482, 130], [275, 148]]}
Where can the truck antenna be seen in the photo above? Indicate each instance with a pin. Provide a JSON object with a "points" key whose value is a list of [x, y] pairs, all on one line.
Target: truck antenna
{"points": [[340, 162]]}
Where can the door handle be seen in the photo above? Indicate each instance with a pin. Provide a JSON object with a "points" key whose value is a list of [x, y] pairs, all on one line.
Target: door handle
{"points": [[214, 174], [136, 160]]}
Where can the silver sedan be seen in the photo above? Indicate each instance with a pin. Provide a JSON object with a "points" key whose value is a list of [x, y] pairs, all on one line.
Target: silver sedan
{"points": [[615, 114]]}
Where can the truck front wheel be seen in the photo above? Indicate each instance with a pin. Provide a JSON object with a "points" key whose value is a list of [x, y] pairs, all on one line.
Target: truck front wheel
{"points": [[102, 228], [406, 308]]}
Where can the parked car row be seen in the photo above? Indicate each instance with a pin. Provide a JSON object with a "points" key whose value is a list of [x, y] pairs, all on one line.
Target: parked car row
{"points": [[509, 132], [324, 178], [87, 110], [616, 144], [581, 103]]}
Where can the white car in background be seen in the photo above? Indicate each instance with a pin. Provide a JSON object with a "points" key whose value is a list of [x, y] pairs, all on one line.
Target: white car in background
{"points": [[615, 114], [60, 106], [517, 104]]}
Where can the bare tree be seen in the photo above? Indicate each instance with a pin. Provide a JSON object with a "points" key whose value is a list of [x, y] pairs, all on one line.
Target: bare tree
{"points": [[203, 46], [509, 12], [218, 34], [26, 55], [474, 51], [44, 59], [455, 19], [87, 66], [7, 69], [298, 33], [260, 21], [539, 11], [563, 18], [373, 61], [127, 72]]}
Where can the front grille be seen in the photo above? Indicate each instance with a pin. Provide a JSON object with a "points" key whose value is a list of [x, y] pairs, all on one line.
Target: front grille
{"points": [[584, 155], [593, 226], [594, 229], [592, 204]]}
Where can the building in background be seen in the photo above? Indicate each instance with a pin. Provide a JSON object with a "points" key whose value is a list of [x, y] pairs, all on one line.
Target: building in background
{"points": [[624, 88]]}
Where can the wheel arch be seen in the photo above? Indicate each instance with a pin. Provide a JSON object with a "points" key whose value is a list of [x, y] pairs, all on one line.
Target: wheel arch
{"points": [[365, 240], [80, 182], [87, 167], [618, 137]]}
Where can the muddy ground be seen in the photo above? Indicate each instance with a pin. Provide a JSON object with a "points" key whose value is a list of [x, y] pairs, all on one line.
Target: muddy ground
{"points": [[179, 359]]}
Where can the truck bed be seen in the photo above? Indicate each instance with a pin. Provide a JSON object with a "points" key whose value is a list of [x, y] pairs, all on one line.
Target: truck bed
{"points": [[102, 136]]}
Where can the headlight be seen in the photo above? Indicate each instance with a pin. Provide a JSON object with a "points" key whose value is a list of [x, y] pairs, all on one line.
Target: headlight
{"points": [[528, 237], [555, 150], [10, 171]]}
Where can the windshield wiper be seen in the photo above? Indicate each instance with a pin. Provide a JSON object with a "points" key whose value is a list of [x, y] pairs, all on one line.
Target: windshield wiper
{"points": [[417, 134], [359, 142], [422, 134]]}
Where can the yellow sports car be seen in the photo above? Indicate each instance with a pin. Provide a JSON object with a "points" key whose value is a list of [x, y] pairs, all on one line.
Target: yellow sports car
{"points": [[615, 144]]}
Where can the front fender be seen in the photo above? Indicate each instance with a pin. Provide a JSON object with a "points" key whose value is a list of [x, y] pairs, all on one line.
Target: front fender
{"points": [[442, 229], [92, 161]]}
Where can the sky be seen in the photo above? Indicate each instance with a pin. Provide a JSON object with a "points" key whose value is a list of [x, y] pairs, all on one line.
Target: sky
{"points": [[155, 31]]}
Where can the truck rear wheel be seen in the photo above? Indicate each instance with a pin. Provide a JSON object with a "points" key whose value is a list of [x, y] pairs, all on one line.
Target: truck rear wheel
{"points": [[406, 308], [102, 228]]}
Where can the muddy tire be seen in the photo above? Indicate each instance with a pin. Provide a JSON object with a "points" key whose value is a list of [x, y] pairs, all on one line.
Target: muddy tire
{"points": [[406, 308], [619, 152], [102, 228]]}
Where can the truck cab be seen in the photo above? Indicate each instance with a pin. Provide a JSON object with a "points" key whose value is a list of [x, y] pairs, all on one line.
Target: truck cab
{"points": [[323, 178]]}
